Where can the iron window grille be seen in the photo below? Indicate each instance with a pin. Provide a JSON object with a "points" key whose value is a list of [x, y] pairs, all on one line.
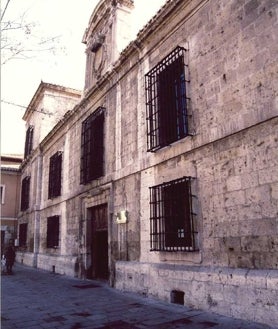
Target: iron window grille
{"points": [[25, 193], [92, 147], [23, 234], [53, 226], [171, 216], [2, 194], [28, 141], [55, 175], [166, 101]]}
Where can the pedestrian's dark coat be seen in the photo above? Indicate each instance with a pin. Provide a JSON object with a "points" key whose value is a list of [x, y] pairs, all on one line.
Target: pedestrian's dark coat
{"points": [[10, 255]]}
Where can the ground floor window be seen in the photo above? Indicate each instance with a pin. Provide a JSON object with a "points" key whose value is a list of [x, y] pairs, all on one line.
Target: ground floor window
{"points": [[25, 193], [171, 216], [23, 234], [2, 194], [53, 225]]}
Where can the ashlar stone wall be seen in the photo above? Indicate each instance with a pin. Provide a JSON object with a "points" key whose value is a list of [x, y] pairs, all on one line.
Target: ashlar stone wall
{"points": [[240, 214], [231, 52], [232, 58]]}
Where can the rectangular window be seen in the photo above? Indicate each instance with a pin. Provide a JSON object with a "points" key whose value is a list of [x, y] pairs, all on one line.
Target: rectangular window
{"points": [[52, 239], [171, 216], [23, 235], [2, 194], [28, 141], [166, 101], [55, 175], [92, 147], [25, 193]]}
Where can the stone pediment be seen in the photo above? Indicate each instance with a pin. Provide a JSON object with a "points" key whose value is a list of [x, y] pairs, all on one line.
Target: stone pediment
{"points": [[103, 10], [107, 33]]}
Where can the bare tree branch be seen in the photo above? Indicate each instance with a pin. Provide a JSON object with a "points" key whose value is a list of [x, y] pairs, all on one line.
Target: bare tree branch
{"points": [[20, 38], [3, 13]]}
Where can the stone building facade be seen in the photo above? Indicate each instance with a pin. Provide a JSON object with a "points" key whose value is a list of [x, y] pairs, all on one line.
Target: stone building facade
{"points": [[49, 106], [163, 178]]}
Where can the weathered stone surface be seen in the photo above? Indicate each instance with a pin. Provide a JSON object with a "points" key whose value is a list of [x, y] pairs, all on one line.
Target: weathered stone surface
{"points": [[231, 50]]}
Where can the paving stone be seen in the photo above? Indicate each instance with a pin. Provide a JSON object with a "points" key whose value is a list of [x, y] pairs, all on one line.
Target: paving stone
{"points": [[33, 298]]}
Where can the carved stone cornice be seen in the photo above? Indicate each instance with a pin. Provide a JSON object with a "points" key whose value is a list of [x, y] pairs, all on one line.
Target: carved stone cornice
{"points": [[127, 3]]}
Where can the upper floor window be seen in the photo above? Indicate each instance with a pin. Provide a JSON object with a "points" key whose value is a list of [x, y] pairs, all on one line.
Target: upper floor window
{"points": [[28, 141], [166, 101], [171, 216], [23, 234], [92, 147], [55, 175], [25, 193], [2, 194], [53, 227]]}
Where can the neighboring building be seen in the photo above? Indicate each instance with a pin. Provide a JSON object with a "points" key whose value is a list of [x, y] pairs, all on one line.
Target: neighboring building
{"points": [[9, 197], [163, 179]]}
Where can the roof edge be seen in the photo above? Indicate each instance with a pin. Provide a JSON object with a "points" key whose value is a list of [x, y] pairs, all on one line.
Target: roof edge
{"points": [[44, 86]]}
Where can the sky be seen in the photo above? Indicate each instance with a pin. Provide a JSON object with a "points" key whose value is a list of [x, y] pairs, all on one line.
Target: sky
{"points": [[20, 78]]}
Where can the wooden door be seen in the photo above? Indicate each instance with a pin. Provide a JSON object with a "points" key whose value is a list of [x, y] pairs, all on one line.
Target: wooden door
{"points": [[99, 242]]}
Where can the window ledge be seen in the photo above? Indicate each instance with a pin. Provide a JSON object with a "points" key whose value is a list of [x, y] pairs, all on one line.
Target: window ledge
{"points": [[190, 257]]}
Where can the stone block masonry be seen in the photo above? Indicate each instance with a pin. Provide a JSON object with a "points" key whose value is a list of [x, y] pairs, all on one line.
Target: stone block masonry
{"points": [[230, 52], [240, 293]]}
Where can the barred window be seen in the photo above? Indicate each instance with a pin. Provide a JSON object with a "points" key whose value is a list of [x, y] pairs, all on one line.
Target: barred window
{"points": [[28, 141], [25, 193], [53, 226], [23, 234], [92, 147], [2, 193], [166, 101], [171, 216], [55, 175]]}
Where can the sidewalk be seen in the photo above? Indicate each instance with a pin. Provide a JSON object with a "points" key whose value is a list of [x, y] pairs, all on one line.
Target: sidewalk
{"points": [[34, 299]]}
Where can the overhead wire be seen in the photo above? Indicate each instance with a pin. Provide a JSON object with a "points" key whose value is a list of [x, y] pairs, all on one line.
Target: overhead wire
{"points": [[25, 107]]}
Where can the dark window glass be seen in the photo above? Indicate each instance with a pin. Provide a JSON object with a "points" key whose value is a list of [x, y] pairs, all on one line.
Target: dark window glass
{"points": [[29, 141], [55, 175], [2, 194], [52, 239], [92, 147], [25, 193], [171, 217], [23, 235], [166, 101]]}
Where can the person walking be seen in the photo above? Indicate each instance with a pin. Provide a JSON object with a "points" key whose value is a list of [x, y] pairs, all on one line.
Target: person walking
{"points": [[10, 258]]}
